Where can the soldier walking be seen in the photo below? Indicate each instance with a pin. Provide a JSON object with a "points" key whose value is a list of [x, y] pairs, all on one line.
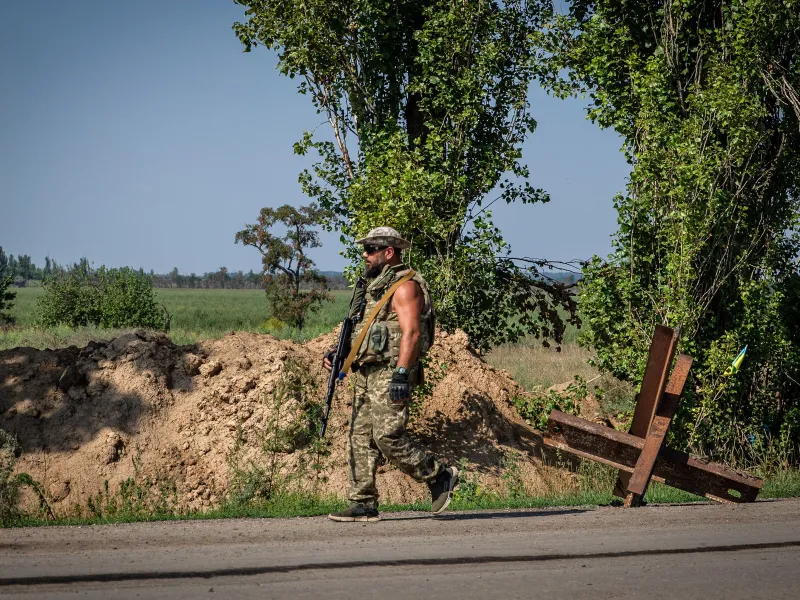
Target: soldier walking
{"points": [[385, 370]]}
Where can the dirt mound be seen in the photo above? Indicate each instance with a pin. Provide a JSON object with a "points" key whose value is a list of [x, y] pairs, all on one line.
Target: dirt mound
{"points": [[141, 407]]}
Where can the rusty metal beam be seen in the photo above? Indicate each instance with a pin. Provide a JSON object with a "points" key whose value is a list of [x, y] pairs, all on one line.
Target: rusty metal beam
{"points": [[659, 360], [621, 451], [637, 486]]}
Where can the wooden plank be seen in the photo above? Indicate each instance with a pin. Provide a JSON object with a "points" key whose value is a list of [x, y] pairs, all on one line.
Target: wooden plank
{"points": [[659, 361], [621, 450], [637, 486]]}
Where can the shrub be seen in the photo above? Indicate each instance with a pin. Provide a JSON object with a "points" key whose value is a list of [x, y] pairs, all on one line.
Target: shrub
{"points": [[110, 298], [535, 408], [6, 299]]}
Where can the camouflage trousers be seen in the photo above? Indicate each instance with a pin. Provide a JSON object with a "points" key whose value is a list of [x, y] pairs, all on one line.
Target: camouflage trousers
{"points": [[377, 426]]}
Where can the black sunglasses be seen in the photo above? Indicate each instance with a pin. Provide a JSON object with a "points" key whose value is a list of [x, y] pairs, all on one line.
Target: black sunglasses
{"points": [[372, 248]]}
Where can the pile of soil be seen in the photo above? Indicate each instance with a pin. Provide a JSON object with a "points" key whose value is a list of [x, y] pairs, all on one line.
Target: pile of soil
{"points": [[140, 406]]}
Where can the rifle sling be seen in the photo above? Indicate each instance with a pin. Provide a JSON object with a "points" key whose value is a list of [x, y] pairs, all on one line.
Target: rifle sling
{"points": [[370, 318]]}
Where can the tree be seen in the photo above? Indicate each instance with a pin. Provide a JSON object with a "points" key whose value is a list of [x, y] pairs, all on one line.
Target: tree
{"points": [[435, 95], [6, 296], [6, 299], [294, 287], [221, 277], [25, 267], [706, 96], [12, 266]]}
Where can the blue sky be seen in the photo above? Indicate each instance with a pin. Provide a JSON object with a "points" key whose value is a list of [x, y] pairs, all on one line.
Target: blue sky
{"points": [[139, 133]]}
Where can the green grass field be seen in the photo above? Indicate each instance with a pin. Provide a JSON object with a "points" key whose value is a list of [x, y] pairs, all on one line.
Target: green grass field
{"points": [[196, 315]]}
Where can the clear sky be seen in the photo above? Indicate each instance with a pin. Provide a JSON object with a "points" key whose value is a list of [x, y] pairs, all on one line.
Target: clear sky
{"points": [[139, 133]]}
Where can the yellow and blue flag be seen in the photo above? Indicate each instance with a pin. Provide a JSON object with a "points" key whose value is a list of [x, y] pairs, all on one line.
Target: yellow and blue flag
{"points": [[737, 363]]}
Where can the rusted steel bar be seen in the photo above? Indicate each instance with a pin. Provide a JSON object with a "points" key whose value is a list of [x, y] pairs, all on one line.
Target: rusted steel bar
{"points": [[659, 360], [637, 486], [621, 451]]}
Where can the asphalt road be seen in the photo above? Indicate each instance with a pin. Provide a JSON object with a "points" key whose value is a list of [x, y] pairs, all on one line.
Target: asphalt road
{"points": [[709, 551]]}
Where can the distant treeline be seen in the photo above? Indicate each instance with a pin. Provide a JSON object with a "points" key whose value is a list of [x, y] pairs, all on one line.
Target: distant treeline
{"points": [[565, 277], [23, 271], [224, 279]]}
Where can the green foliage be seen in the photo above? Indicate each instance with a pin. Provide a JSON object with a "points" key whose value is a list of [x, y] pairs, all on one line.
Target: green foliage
{"points": [[468, 490], [197, 315], [272, 325], [6, 295], [596, 477], [428, 106], [21, 268], [290, 451], [9, 483], [6, 299], [535, 407], [432, 374], [705, 95], [512, 476], [106, 298], [294, 287], [135, 499]]}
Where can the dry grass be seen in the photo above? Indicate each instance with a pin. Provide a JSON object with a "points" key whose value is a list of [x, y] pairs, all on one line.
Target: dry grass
{"points": [[536, 368]]}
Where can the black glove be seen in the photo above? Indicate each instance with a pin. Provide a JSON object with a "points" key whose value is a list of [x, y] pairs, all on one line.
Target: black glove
{"points": [[399, 388], [329, 355]]}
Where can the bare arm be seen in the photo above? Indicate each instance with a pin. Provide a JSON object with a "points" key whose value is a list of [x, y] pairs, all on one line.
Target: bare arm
{"points": [[408, 302]]}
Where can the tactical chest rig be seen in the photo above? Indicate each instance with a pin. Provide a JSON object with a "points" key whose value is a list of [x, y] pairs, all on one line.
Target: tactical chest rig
{"points": [[376, 340]]}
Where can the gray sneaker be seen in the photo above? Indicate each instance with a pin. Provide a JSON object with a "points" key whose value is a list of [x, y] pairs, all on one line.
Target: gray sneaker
{"points": [[442, 489], [357, 512]]}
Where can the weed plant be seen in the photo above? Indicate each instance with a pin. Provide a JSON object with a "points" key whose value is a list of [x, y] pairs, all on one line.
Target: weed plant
{"points": [[135, 499], [536, 407], [289, 457], [9, 483]]}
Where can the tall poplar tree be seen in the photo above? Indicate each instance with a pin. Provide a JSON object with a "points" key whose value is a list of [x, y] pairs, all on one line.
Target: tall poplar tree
{"points": [[706, 94], [427, 105]]}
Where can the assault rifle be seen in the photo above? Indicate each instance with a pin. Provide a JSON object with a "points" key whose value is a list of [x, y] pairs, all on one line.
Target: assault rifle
{"points": [[343, 348]]}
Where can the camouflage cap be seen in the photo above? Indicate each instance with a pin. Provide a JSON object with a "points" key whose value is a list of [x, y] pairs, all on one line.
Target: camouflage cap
{"points": [[385, 236]]}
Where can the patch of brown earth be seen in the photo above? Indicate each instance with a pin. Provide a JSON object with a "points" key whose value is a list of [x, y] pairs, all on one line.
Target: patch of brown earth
{"points": [[140, 406]]}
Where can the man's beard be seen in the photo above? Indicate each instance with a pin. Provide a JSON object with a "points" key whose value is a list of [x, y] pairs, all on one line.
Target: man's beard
{"points": [[374, 271]]}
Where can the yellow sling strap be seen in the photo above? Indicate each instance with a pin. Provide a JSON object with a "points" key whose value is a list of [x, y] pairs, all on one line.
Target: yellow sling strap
{"points": [[370, 318]]}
